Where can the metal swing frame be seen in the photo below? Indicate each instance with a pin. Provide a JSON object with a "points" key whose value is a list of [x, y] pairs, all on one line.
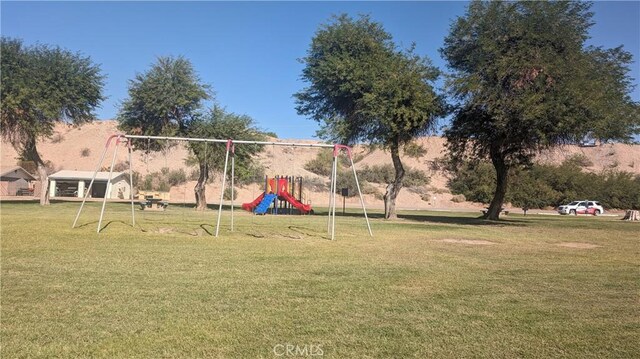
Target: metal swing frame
{"points": [[230, 152]]}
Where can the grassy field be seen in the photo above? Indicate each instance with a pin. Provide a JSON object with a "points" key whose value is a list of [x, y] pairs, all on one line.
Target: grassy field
{"points": [[428, 285]]}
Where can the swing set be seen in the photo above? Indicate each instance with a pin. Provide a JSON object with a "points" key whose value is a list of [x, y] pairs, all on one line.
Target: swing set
{"points": [[281, 185]]}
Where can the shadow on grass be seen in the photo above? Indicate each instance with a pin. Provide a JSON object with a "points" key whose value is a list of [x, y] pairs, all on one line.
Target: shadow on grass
{"points": [[204, 228], [108, 224], [461, 220], [440, 219]]}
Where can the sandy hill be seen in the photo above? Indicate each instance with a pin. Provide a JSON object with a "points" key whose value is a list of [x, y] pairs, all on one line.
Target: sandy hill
{"points": [[80, 148]]}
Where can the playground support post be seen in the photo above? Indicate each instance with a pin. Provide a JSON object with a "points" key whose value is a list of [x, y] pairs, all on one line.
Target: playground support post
{"points": [[133, 216], [106, 194], [331, 189], [364, 210], [233, 166], [332, 209], [95, 173], [224, 180]]}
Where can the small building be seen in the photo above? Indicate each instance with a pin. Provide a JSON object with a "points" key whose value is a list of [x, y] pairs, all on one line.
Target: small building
{"points": [[67, 183], [16, 181]]}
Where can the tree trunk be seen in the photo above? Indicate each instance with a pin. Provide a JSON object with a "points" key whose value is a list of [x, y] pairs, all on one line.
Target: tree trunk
{"points": [[30, 153], [201, 197], [393, 188], [44, 184], [502, 172]]}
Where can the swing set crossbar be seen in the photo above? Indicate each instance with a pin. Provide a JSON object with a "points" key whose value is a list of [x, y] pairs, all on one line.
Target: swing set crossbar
{"points": [[230, 149], [212, 140]]}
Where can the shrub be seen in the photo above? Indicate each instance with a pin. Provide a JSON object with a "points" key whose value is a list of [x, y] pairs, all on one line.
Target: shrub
{"points": [[386, 173], [176, 177], [147, 184], [549, 185], [163, 186], [57, 138], [253, 174], [580, 159], [227, 194], [377, 173], [346, 180], [458, 198], [136, 179], [194, 175], [85, 152], [271, 134], [314, 184], [476, 181], [414, 150], [415, 178], [321, 165], [121, 166]]}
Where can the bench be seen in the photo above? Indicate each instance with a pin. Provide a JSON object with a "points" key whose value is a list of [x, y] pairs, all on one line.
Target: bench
{"points": [[502, 211], [24, 192]]}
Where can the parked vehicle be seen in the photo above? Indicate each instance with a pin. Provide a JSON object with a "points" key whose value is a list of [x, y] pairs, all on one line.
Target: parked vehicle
{"points": [[582, 207]]}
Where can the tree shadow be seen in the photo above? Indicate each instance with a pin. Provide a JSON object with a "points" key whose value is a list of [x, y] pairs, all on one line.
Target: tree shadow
{"points": [[440, 219], [461, 220]]}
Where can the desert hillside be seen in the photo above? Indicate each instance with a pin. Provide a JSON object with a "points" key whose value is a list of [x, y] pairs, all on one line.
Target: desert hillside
{"points": [[74, 148]]}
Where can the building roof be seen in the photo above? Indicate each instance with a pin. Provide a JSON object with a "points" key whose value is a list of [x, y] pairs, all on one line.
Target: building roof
{"points": [[12, 170], [84, 175]]}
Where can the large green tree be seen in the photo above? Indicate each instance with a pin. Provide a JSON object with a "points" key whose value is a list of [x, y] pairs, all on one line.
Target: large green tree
{"points": [[362, 88], [41, 86], [166, 100], [525, 81], [218, 123]]}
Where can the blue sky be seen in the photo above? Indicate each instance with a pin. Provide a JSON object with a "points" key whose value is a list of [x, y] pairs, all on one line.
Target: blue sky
{"points": [[248, 51]]}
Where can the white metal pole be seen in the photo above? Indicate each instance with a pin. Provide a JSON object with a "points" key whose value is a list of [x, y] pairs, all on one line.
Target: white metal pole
{"points": [[197, 139], [331, 190], [104, 200], [335, 185], [133, 215], [88, 190], [224, 177], [233, 166], [360, 193]]}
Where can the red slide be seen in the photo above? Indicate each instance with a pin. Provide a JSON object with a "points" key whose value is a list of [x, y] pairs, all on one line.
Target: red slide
{"points": [[303, 208], [251, 205]]}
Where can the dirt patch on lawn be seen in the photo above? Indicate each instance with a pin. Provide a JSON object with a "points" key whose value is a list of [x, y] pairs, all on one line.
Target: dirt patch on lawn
{"points": [[479, 242], [578, 245]]}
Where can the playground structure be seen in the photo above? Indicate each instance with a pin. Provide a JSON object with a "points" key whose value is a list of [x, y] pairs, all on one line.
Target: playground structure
{"points": [[285, 193], [230, 152]]}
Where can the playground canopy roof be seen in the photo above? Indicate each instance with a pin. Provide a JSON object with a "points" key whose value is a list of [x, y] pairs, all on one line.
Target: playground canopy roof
{"points": [[83, 175]]}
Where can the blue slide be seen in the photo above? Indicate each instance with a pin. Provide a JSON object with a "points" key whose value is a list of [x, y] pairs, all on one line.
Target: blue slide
{"points": [[264, 204]]}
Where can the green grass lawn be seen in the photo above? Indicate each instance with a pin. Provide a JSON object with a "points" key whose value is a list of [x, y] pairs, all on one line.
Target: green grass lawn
{"points": [[168, 288]]}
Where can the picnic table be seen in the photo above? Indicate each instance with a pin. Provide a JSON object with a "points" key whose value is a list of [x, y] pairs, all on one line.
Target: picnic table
{"points": [[154, 204]]}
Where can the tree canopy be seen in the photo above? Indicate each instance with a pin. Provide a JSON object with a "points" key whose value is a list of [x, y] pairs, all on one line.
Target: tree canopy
{"points": [[164, 100], [525, 81], [168, 100], [41, 86], [362, 88], [219, 123]]}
